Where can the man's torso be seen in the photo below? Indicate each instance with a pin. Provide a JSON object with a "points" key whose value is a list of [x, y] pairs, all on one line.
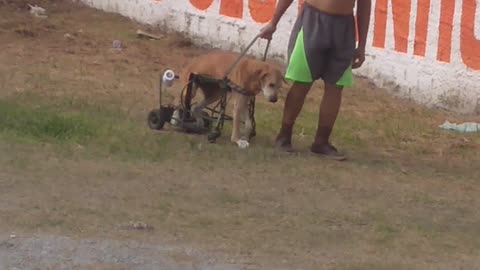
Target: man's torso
{"points": [[337, 7]]}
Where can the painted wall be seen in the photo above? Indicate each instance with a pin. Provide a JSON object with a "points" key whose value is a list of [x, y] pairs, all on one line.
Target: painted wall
{"points": [[428, 50]]}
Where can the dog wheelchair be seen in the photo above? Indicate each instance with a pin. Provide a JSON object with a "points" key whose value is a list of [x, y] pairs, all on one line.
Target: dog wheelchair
{"points": [[211, 120]]}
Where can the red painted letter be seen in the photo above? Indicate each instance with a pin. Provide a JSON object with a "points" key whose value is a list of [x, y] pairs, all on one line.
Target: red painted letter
{"points": [[401, 23], [261, 11], [232, 8], [469, 44], [446, 26], [421, 27], [380, 26], [201, 4]]}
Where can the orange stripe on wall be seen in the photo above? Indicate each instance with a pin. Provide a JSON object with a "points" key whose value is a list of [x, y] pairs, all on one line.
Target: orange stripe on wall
{"points": [[380, 26], [232, 8], [261, 11], [445, 32], [201, 4], [421, 27], [401, 23], [469, 44]]}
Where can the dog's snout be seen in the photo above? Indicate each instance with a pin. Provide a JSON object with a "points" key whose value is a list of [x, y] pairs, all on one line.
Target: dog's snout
{"points": [[273, 99]]}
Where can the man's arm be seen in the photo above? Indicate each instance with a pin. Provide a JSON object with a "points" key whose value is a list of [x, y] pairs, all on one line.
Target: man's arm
{"points": [[280, 10], [269, 29], [364, 8]]}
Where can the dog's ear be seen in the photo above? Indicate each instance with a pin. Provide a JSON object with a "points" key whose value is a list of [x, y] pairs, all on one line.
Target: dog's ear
{"points": [[262, 71]]}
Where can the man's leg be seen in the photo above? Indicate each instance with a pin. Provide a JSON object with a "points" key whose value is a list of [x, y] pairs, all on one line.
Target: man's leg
{"points": [[309, 55], [329, 109], [338, 74], [292, 108]]}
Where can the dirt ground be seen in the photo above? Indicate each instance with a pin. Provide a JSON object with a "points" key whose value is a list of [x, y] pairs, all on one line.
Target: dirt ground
{"points": [[85, 185]]}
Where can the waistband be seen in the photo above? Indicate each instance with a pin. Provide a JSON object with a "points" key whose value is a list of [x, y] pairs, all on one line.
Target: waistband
{"points": [[315, 9]]}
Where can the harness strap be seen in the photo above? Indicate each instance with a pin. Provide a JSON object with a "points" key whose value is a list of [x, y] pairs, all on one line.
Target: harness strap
{"points": [[236, 88]]}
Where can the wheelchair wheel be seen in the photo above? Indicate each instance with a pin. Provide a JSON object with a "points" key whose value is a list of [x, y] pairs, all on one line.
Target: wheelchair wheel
{"points": [[158, 118], [155, 120]]}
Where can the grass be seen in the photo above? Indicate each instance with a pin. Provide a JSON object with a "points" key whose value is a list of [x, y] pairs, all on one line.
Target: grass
{"points": [[316, 204], [110, 131], [107, 131], [103, 132], [268, 205], [44, 124]]}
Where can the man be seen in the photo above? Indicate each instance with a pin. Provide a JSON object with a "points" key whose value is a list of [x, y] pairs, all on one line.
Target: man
{"points": [[322, 46]]}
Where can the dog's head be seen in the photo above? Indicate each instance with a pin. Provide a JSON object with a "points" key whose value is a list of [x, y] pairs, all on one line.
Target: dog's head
{"points": [[271, 81]]}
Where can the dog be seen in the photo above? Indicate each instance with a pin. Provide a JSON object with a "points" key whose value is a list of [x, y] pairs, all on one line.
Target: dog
{"points": [[253, 75]]}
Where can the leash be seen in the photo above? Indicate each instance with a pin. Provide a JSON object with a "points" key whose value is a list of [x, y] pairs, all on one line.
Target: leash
{"points": [[244, 52], [234, 87], [266, 51]]}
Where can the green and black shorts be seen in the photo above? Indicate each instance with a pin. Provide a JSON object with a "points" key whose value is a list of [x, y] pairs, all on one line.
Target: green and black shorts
{"points": [[321, 46]]}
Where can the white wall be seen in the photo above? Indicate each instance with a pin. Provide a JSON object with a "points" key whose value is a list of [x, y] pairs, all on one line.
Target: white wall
{"points": [[454, 85]]}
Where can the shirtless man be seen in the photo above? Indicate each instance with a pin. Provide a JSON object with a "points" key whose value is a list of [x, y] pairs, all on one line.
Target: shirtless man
{"points": [[322, 46]]}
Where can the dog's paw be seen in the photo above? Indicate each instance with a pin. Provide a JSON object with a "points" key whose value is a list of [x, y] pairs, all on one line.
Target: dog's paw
{"points": [[243, 144]]}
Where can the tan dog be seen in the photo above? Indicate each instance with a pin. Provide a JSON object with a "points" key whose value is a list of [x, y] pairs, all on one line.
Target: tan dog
{"points": [[250, 74]]}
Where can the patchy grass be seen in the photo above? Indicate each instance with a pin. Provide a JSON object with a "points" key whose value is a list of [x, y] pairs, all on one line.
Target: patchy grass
{"points": [[41, 124], [101, 132]]}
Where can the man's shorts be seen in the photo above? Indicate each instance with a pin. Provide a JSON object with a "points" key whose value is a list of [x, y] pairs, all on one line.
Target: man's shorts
{"points": [[321, 46]]}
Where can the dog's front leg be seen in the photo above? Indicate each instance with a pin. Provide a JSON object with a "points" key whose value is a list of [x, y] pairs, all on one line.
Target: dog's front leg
{"points": [[240, 106], [248, 121]]}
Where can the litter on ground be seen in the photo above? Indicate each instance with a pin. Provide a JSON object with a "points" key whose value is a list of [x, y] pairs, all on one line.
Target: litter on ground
{"points": [[466, 127]]}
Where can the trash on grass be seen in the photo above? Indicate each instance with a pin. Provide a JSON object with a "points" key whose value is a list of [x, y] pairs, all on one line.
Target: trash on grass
{"points": [[463, 128], [143, 34], [38, 11], [68, 36], [141, 226], [117, 44]]}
